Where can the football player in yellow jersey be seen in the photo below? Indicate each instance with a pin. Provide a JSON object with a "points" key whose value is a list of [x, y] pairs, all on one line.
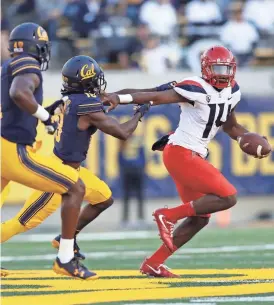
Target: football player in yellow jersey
{"points": [[82, 114], [21, 99]]}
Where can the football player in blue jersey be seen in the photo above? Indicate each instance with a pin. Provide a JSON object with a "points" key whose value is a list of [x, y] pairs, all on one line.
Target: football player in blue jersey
{"points": [[21, 98], [82, 113]]}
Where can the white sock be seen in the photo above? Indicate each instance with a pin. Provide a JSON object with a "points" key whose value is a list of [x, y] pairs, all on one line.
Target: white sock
{"points": [[66, 250]]}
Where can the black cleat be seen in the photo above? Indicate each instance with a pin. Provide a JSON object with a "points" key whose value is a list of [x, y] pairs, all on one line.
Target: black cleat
{"points": [[74, 269], [56, 242]]}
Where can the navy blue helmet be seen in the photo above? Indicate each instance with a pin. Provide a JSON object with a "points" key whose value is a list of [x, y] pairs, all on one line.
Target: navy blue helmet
{"points": [[32, 39], [83, 74]]}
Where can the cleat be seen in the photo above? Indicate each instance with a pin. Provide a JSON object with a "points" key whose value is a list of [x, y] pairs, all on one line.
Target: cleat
{"points": [[156, 270], [56, 242], [165, 227], [4, 272], [74, 269]]}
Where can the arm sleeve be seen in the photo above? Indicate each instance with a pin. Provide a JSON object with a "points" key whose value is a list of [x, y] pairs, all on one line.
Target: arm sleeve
{"points": [[236, 95], [23, 65], [89, 105]]}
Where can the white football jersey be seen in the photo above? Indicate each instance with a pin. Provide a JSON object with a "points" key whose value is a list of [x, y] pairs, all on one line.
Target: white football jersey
{"points": [[204, 114]]}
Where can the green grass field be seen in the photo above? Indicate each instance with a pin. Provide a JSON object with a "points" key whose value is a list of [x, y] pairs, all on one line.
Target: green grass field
{"points": [[220, 266]]}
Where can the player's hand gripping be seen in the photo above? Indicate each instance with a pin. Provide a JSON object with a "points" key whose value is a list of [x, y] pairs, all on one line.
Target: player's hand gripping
{"points": [[51, 125], [57, 106], [264, 156], [142, 109], [112, 100]]}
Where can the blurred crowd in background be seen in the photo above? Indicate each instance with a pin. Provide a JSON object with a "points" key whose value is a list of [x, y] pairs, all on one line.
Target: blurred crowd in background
{"points": [[153, 35]]}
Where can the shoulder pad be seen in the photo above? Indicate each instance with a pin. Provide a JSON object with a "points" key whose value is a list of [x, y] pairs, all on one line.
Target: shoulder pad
{"points": [[88, 103], [234, 87], [191, 84], [24, 64]]}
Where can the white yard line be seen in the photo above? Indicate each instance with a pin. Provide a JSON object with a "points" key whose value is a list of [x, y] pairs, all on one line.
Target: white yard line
{"points": [[130, 254], [232, 299], [213, 300], [166, 303], [133, 235], [88, 236]]}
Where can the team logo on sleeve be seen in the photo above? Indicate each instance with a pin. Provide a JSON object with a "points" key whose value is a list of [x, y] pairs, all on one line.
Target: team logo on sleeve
{"points": [[208, 98], [87, 72]]}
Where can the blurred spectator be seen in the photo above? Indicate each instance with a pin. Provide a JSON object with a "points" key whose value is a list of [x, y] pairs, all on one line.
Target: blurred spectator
{"points": [[4, 39], [50, 12], [194, 52], [136, 44], [22, 11], [261, 14], [240, 36], [133, 9], [139, 39], [132, 169], [154, 56], [160, 16], [203, 11], [82, 15], [223, 5], [114, 36], [204, 17]]}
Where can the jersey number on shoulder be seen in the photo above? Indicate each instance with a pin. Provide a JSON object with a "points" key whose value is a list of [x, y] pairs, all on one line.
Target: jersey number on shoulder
{"points": [[213, 108], [60, 119], [90, 94]]}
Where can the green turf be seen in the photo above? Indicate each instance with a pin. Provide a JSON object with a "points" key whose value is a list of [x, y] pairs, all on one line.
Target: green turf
{"points": [[208, 238]]}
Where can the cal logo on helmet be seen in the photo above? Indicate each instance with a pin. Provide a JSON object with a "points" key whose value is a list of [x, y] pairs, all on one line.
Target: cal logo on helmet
{"points": [[87, 72], [42, 34]]}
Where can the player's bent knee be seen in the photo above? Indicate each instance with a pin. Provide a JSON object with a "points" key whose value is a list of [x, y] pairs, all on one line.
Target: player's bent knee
{"points": [[203, 221], [200, 221], [106, 204], [78, 188], [231, 200]]}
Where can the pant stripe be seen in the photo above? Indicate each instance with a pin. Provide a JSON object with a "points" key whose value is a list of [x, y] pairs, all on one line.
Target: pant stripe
{"points": [[50, 169], [35, 207], [39, 169]]}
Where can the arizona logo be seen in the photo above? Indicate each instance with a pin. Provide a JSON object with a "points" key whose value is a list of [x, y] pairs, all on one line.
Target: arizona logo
{"points": [[87, 72]]}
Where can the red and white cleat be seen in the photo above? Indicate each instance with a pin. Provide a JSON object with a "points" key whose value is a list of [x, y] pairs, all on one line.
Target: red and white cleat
{"points": [[156, 270], [165, 227]]}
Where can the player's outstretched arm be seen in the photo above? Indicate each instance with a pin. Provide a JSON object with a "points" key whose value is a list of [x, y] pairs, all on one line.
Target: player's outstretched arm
{"points": [[153, 98], [162, 87], [233, 128], [112, 127]]}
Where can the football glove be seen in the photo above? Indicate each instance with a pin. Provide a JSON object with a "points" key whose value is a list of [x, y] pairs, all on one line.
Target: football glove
{"points": [[161, 143], [143, 109], [50, 125], [55, 108], [166, 86]]}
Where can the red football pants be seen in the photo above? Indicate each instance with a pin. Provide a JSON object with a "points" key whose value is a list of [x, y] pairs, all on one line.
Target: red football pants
{"points": [[194, 176]]}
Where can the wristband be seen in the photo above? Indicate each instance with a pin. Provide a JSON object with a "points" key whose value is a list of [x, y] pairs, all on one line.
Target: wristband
{"points": [[125, 98], [41, 114]]}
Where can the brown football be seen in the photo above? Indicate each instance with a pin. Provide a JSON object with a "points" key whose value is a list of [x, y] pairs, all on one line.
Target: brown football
{"points": [[254, 144]]}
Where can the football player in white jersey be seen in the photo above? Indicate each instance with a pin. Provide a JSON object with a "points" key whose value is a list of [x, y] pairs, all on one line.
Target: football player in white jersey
{"points": [[207, 103]]}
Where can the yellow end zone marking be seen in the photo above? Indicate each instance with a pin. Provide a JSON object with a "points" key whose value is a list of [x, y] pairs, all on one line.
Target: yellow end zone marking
{"points": [[113, 290]]}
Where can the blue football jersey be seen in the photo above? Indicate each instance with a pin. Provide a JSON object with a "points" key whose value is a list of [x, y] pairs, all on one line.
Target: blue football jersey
{"points": [[71, 143], [18, 126]]}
